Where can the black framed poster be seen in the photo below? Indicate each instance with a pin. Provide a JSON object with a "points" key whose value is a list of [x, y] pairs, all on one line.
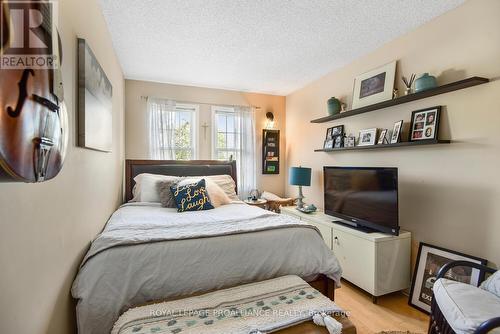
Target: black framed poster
{"points": [[429, 260]]}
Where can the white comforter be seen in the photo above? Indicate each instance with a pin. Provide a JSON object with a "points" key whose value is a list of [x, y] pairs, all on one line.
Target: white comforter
{"points": [[148, 253]]}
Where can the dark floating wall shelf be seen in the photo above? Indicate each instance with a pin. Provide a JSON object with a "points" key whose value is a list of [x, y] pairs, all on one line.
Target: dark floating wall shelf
{"points": [[470, 82], [373, 147]]}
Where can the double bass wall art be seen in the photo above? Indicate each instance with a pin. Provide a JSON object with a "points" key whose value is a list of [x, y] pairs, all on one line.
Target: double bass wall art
{"points": [[33, 119]]}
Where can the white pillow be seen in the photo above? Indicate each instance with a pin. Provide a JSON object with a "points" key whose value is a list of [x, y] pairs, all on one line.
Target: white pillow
{"points": [[217, 196], [227, 184], [145, 189], [145, 186], [492, 284]]}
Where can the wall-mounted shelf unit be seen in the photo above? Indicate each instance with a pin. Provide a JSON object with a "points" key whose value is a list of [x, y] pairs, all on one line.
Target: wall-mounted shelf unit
{"points": [[374, 147], [466, 83]]}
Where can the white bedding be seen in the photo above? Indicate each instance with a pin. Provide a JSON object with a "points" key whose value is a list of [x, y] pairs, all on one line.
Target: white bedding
{"points": [[148, 253]]}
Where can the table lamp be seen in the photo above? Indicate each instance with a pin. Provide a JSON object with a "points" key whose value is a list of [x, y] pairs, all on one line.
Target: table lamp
{"points": [[300, 176]]}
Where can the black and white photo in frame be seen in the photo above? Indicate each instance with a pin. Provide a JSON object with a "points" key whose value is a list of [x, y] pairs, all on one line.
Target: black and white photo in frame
{"points": [[429, 260], [350, 141], [328, 134], [374, 86], [425, 124], [334, 131], [382, 137], [338, 141], [367, 137], [328, 144], [396, 132]]}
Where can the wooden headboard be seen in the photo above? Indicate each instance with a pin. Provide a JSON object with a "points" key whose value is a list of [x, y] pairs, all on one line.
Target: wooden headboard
{"points": [[177, 168]]}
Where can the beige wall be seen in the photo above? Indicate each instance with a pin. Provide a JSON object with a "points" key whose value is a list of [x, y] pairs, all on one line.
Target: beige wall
{"points": [[46, 228], [449, 194], [137, 126]]}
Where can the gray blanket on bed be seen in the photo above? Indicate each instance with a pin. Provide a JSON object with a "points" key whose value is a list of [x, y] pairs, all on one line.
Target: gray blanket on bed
{"points": [[148, 253]]}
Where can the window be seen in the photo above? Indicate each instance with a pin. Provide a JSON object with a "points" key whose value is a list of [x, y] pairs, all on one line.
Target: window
{"points": [[226, 141], [234, 136], [173, 130], [185, 132]]}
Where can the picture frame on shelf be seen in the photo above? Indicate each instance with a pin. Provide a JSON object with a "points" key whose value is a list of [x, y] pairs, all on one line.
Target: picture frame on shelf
{"points": [[382, 137], [334, 131], [338, 141], [350, 141], [429, 260], [425, 124], [396, 132], [328, 144], [367, 137], [374, 86], [328, 134]]}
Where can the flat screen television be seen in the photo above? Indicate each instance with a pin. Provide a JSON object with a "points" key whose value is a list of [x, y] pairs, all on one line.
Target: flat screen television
{"points": [[363, 197]]}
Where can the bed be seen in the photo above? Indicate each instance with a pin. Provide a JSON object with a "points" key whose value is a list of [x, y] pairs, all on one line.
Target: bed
{"points": [[150, 253]]}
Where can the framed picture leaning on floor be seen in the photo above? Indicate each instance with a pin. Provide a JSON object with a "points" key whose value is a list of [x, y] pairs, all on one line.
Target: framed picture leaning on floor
{"points": [[429, 260]]}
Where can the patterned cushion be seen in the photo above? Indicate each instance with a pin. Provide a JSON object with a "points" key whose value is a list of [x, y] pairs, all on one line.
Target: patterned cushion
{"points": [[167, 199], [192, 197]]}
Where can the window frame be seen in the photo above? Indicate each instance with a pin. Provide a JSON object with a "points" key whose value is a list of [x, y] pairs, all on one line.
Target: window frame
{"points": [[194, 110], [224, 110]]}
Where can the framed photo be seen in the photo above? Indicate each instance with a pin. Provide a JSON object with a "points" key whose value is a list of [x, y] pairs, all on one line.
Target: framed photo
{"points": [[381, 138], [396, 132], [429, 260], [367, 137], [334, 131], [328, 143], [425, 124], [374, 86], [350, 141], [337, 130], [328, 134], [338, 141]]}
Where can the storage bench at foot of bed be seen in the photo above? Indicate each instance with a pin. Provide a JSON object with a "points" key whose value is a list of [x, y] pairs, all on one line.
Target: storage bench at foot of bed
{"points": [[283, 305]]}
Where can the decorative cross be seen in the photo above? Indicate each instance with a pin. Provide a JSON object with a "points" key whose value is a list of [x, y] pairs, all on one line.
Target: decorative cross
{"points": [[205, 126]]}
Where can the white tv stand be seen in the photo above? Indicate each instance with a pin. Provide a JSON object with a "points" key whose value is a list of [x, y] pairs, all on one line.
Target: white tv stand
{"points": [[377, 263]]}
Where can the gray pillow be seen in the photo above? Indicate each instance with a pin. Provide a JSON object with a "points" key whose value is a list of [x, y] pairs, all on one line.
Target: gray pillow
{"points": [[167, 199]]}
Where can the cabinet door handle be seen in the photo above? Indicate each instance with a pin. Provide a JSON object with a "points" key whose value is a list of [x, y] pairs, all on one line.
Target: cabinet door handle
{"points": [[336, 240]]}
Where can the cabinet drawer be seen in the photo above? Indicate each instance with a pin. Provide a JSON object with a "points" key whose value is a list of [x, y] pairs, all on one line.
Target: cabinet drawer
{"points": [[357, 259]]}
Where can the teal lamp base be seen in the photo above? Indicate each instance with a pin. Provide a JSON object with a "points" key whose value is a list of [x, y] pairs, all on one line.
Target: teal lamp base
{"points": [[300, 202]]}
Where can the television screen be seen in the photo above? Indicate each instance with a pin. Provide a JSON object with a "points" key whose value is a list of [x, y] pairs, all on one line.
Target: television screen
{"points": [[362, 196]]}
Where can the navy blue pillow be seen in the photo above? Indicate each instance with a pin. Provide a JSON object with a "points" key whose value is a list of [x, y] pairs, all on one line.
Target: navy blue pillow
{"points": [[192, 197]]}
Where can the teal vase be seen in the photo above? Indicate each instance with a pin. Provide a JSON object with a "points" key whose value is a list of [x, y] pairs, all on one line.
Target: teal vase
{"points": [[333, 106], [425, 82]]}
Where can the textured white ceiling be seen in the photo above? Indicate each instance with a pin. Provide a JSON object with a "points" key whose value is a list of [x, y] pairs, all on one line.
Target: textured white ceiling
{"points": [[270, 46]]}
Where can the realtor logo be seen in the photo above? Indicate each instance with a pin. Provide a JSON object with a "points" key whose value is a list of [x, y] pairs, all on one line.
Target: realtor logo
{"points": [[28, 35]]}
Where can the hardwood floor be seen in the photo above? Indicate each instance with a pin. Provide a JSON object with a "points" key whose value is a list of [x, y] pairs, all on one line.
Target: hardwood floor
{"points": [[392, 313]]}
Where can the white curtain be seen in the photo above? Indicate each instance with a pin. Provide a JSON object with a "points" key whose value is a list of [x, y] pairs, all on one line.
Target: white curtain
{"points": [[246, 162], [161, 129]]}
